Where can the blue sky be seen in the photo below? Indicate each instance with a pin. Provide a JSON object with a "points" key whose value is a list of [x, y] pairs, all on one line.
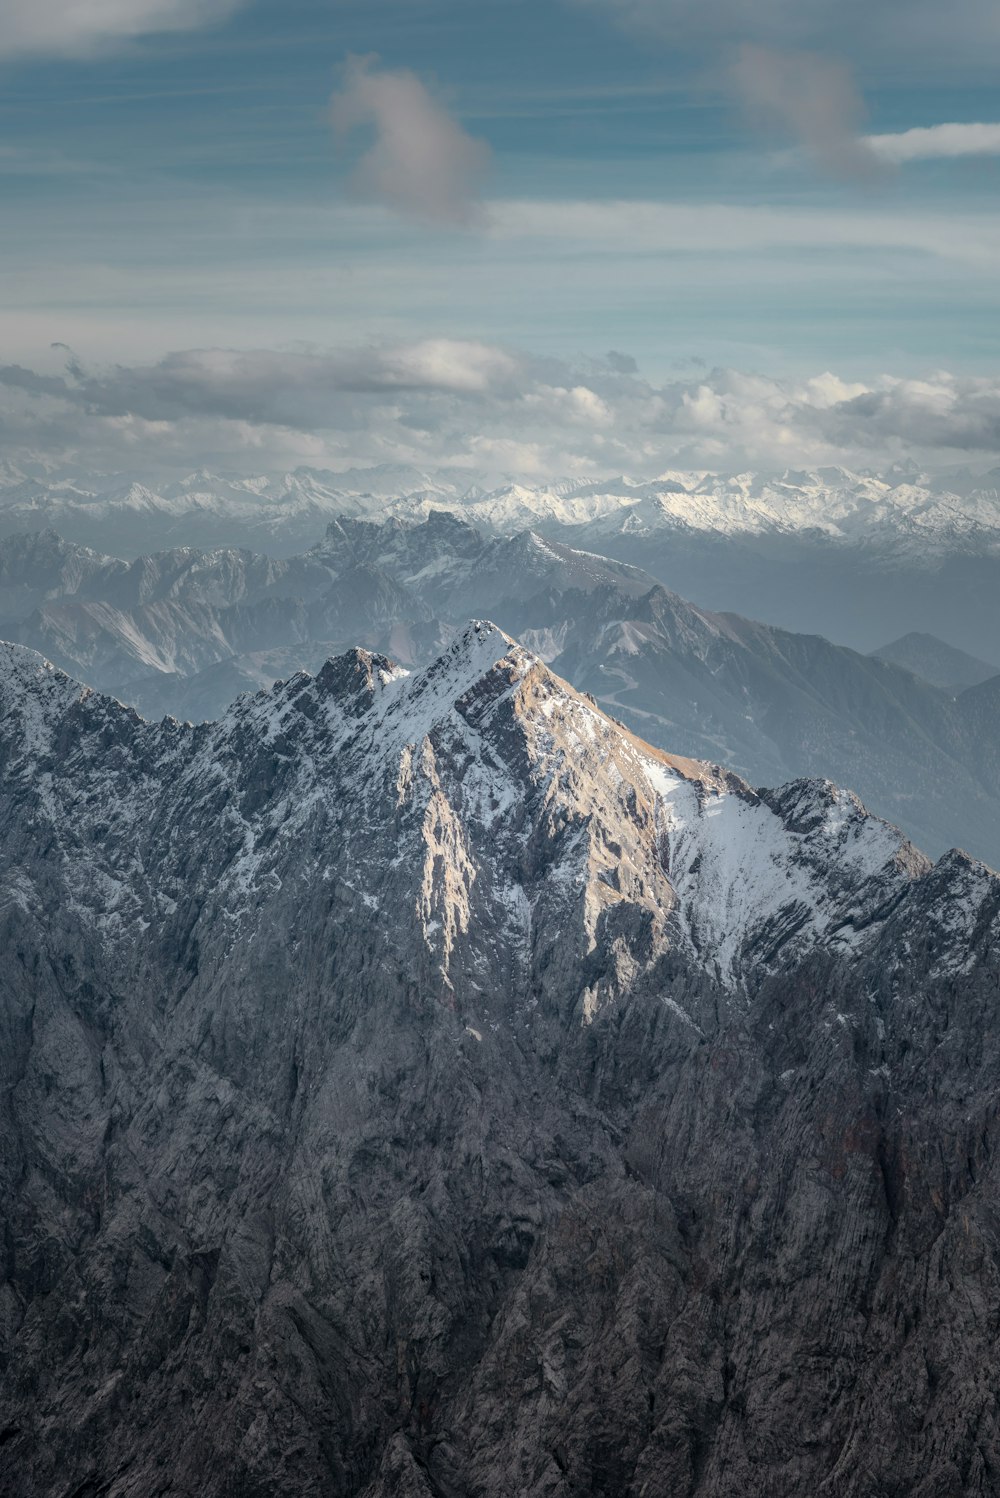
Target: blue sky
{"points": [[688, 185]]}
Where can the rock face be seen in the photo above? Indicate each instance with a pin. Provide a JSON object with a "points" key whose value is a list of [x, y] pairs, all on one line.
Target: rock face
{"points": [[417, 1085]]}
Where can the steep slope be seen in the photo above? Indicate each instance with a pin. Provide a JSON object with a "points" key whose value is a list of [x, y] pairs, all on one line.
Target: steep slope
{"points": [[774, 704], [937, 661], [418, 1085], [38, 566]]}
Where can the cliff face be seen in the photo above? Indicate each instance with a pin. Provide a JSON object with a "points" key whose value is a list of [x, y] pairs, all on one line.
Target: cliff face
{"points": [[416, 1085]]}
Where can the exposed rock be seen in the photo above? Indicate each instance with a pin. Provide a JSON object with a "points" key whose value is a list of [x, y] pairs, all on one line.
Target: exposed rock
{"points": [[417, 1085]]}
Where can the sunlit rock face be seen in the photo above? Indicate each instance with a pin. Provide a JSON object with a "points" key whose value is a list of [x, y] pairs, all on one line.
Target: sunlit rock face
{"points": [[416, 1084]]}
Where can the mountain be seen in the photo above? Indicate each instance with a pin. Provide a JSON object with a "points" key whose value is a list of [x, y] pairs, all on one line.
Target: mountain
{"points": [[184, 632], [277, 513], [155, 630], [937, 662], [773, 704], [418, 1085], [856, 586], [857, 557]]}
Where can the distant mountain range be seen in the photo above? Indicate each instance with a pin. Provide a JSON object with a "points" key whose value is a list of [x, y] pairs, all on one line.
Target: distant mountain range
{"points": [[185, 631], [859, 558], [417, 1086]]}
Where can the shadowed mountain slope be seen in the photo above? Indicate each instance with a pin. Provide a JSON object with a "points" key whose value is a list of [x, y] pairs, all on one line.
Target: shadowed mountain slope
{"points": [[937, 662]]}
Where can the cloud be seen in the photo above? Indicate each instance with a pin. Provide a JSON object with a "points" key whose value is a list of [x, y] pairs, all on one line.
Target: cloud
{"points": [[811, 98], [944, 413], [621, 363], [636, 227], [778, 59], [307, 391], [936, 143], [81, 27], [480, 407], [421, 162], [793, 63]]}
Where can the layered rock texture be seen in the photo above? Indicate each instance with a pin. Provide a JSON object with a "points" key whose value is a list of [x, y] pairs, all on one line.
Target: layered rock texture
{"points": [[417, 1085]]}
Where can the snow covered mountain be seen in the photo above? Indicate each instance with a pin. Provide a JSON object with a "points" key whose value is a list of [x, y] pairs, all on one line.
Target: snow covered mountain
{"points": [[416, 1084], [279, 513], [860, 558], [908, 509], [772, 704]]}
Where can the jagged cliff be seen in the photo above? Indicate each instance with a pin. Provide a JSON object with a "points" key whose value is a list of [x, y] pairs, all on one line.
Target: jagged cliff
{"points": [[416, 1085]]}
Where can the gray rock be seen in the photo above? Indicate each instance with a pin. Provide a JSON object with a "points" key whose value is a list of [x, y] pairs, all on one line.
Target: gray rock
{"points": [[419, 1086]]}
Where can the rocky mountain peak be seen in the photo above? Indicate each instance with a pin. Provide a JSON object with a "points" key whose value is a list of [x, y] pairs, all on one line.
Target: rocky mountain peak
{"points": [[354, 678]]}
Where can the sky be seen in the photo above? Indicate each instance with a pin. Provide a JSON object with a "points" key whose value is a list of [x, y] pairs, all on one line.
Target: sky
{"points": [[524, 236]]}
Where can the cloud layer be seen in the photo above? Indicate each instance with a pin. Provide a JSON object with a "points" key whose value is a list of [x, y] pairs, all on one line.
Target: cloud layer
{"points": [[478, 406], [79, 27], [420, 162]]}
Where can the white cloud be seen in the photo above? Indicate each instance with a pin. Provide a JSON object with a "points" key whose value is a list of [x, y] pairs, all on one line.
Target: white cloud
{"points": [[75, 27], [477, 406], [421, 162], [936, 143]]}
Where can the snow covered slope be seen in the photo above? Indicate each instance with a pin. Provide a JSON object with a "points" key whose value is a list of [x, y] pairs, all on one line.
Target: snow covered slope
{"points": [[906, 511]]}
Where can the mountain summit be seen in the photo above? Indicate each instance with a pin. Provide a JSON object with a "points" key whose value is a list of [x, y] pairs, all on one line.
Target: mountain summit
{"points": [[413, 1083]]}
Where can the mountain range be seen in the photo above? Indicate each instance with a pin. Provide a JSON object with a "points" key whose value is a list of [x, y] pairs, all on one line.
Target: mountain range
{"points": [[417, 1086], [184, 632], [858, 557]]}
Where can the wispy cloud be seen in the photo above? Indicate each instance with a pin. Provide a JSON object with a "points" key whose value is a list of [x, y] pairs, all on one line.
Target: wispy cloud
{"points": [[895, 32], [421, 162], [70, 28], [639, 227], [935, 143]]}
